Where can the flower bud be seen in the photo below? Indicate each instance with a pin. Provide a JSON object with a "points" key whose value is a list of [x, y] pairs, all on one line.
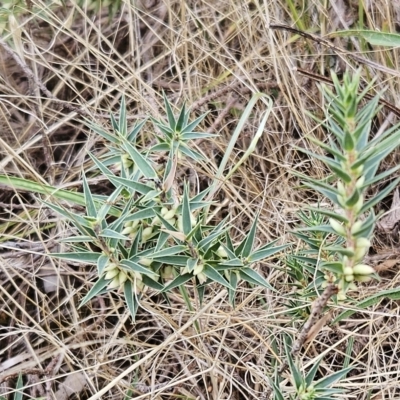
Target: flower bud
{"points": [[362, 278], [348, 271], [337, 227], [352, 286], [170, 214], [341, 200], [179, 223], [360, 182], [341, 188], [357, 226], [349, 278], [201, 277], [357, 207], [167, 272], [221, 252], [122, 277], [363, 269], [163, 211], [198, 269], [171, 221], [114, 283], [145, 261], [110, 266], [147, 233], [111, 274], [128, 230]]}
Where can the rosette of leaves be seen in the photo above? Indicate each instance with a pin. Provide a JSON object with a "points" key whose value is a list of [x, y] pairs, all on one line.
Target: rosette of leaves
{"points": [[304, 385], [147, 233], [353, 159]]}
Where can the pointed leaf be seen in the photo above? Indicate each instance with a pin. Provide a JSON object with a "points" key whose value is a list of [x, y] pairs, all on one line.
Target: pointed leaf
{"points": [[215, 276], [86, 257], [131, 298], [329, 380], [178, 281], [140, 161], [265, 252], [97, 288], [122, 126], [255, 278]]}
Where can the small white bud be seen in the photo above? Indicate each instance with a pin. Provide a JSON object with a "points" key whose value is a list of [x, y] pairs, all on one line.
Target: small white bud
{"points": [[349, 278], [356, 227], [145, 261], [337, 227], [147, 233], [114, 283], [363, 269], [170, 214], [122, 277], [198, 269], [341, 188], [164, 210], [348, 271], [111, 274], [360, 182], [221, 252]]}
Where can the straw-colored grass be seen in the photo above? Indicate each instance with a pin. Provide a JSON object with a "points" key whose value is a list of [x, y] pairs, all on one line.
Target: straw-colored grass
{"points": [[214, 55]]}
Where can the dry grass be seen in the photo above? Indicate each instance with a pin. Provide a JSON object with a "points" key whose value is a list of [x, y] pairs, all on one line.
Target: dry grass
{"points": [[214, 55]]}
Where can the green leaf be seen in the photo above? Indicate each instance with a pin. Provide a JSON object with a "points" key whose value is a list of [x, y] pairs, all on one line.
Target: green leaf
{"points": [[393, 294], [245, 247], [152, 283], [33, 187], [90, 206], [170, 251], [135, 130], [265, 252], [190, 127], [186, 217], [215, 276], [375, 38], [102, 132], [298, 378], [134, 266], [311, 374], [196, 135], [170, 114], [19, 385], [180, 123], [178, 261], [380, 196], [332, 164], [329, 380], [122, 126], [102, 261], [140, 161], [86, 257], [335, 266], [131, 184], [328, 213], [348, 141], [338, 249], [255, 278], [109, 233], [132, 300], [178, 281], [97, 288]]}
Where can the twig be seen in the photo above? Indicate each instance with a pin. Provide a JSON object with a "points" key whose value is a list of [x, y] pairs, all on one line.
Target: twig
{"points": [[316, 310]]}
